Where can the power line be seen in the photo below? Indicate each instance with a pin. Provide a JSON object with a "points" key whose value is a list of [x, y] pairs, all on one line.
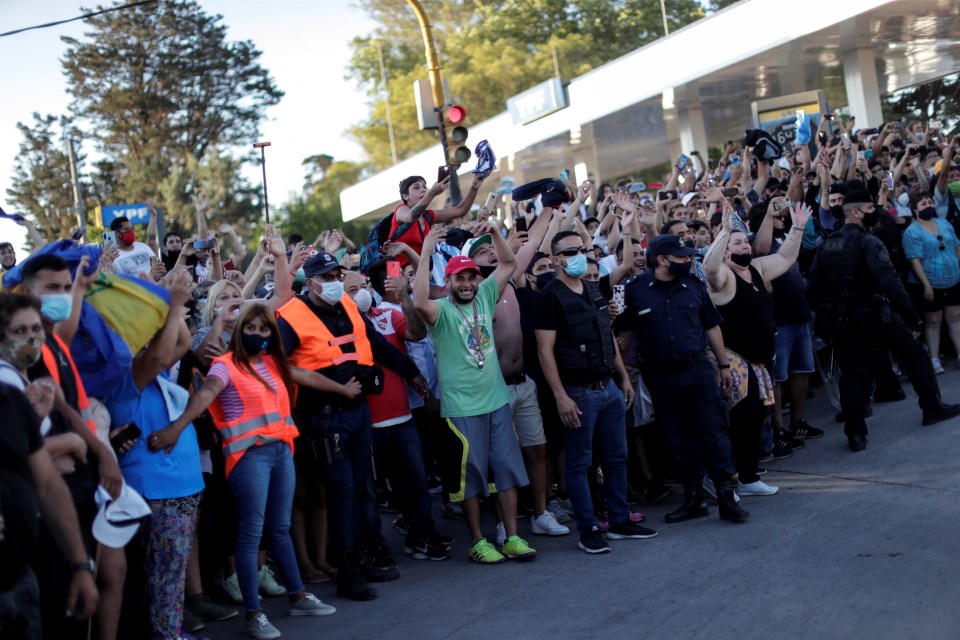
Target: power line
{"points": [[83, 17]]}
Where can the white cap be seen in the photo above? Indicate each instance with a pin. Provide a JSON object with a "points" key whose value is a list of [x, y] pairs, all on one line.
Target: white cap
{"points": [[690, 196], [118, 520]]}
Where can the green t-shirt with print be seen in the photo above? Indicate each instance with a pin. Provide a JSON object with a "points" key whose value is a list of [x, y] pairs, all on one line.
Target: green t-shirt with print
{"points": [[466, 389]]}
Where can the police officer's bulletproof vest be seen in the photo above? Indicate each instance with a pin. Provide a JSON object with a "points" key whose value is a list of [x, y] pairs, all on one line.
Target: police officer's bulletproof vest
{"points": [[588, 346], [843, 267]]}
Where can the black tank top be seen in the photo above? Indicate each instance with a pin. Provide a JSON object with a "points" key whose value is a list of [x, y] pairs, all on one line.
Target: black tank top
{"points": [[748, 326]]}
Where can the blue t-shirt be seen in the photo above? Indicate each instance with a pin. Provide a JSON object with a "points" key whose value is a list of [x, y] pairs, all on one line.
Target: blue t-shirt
{"points": [[938, 257], [156, 476]]}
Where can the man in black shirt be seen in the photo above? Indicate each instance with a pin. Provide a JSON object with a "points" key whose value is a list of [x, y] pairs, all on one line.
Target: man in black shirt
{"points": [[671, 312], [29, 482], [579, 357]]}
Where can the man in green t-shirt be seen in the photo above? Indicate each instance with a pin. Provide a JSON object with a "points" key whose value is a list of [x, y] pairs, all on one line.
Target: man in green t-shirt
{"points": [[473, 397]]}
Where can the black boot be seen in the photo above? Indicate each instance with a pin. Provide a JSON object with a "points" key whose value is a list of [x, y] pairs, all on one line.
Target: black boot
{"points": [[729, 508], [350, 581], [693, 505], [377, 565]]}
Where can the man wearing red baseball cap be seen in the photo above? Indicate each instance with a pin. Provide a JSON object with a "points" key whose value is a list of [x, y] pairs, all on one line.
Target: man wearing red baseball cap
{"points": [[474, 398]]}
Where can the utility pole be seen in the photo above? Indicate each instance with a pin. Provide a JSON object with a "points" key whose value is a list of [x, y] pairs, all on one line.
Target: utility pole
{"points": [[386, 100], [263, 163], [77, 202], [436, 84]]}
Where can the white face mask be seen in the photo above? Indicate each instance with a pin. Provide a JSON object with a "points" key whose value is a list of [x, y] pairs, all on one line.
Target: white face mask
{"points": [[331, 292], [364, 300]]}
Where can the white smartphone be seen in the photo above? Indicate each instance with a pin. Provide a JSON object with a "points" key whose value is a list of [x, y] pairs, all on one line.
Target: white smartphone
{"points": [[109, 237]]}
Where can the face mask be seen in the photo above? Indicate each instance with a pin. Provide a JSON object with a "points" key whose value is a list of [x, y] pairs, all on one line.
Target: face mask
{"points": [[954, 187], [364, 300], [332, 292], [904, 200], [129, 237], [22, 353], [678, 268], [741, 259], [545, 278], [870, 219], [173, 256], [928, 213], [576, 266], [56, 307], [487, 271], [837, 211], [253, 343], [690, 243]]}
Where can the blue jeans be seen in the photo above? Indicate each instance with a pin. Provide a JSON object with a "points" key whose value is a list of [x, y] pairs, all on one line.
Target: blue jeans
{"points": [[399, 456], [262, 484], [351, 493], [601, 422]]}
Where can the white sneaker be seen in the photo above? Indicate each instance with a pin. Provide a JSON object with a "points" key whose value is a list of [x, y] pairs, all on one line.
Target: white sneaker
{"points": [[260, 628], [558, 511], [937, 366], [268, 583], [311, 605], [231, 587], [501, 534], [546, 524], [758, 488]]}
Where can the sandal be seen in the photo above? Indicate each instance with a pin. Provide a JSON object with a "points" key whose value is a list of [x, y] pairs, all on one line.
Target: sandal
{"points": [[315, 576]]}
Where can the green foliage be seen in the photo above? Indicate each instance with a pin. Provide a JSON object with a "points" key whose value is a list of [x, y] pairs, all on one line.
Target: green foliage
{"points": [[318, 209], [162, 94], [491, 50], [937, 100]]}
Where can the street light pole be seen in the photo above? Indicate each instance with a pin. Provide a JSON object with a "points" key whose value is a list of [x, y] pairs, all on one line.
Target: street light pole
{"points": [[263, 163], [436, 84]]}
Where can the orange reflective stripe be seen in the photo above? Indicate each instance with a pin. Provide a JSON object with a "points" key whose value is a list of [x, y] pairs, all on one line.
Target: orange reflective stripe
{"points": [[319, 348], [50, 362]]}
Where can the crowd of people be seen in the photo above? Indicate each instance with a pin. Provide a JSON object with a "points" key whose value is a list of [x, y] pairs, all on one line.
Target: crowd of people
{"points": [[560, 355]]}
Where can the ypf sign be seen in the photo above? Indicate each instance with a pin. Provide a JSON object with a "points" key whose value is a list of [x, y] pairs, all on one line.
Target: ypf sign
{"points": [[535, 103]]}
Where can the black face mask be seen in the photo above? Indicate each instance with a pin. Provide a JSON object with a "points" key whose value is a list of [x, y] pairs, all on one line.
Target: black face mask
{"points": [[871, 219], [253, 343], [487, 271], [692, 244], [927, 214], [678, 268], [837, 211], [545, 278], [741, 259]]}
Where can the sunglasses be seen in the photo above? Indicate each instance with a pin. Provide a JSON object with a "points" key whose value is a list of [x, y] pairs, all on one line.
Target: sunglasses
{"points": [[943, 244], [572, 251]]}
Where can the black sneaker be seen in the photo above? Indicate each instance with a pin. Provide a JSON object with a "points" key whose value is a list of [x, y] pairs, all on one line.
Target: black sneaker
{"points": [[380, 566], [593, 542], [629, 530], [441, 540], [786, 440], [424, 548], [401, 525], [779, 452], [804, 431], [944, 412]]}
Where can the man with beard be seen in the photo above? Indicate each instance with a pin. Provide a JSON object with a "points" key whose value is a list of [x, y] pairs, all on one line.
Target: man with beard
{"points": [[474, 397], [861, 302]]}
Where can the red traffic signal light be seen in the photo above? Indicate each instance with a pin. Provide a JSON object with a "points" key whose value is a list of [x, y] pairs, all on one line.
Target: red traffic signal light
{"points": [[456, 115]]}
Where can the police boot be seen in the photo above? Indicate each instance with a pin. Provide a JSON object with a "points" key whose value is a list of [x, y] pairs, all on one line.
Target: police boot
{"points": [[350, 581], [693, 505], [377, 565], [729, 508]]}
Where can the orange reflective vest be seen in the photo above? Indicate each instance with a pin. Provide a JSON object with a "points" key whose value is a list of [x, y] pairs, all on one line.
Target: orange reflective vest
{"points": [[266, 415], [319, 348], [83, 402]]}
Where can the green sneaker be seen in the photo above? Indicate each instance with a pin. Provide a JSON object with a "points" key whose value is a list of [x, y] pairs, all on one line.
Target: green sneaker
{"points": [[485, 553], [517, 548]]}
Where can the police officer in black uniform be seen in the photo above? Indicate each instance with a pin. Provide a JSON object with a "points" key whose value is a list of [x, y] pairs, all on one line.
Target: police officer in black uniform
{"points": [[862, 302], [674, 320]]}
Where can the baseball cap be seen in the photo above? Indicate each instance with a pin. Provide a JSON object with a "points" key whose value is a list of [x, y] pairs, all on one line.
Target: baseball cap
{"points": [[470, 246], [667, 245], [858, 196], [118, 520], [320, 264], [458, 264], [690, 196]]}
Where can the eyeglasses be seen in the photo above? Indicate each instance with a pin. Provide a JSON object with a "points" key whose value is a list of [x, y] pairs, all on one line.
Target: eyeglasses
{"points": [[943, 244], [572, 251], [331, 277]]}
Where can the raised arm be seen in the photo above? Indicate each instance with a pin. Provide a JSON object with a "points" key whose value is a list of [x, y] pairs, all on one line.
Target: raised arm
{"points": [[282, 278], [239, 251], [506, 260], [152, 227], [165, 346], [428, 309], [714, 269], [775, 265], [535, 238], [200, 203], [462, 209]]}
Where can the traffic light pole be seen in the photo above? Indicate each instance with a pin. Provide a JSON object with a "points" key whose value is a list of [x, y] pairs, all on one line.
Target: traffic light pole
{"points": [[439, 100]]}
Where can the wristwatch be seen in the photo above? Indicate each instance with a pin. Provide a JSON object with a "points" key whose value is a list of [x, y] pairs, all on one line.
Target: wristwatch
{"points": [[723, 366], [89, 565]]}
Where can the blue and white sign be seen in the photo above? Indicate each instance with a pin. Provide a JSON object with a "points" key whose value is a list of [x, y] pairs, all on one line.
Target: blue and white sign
{"points": [[541, 100], [137, 213]]}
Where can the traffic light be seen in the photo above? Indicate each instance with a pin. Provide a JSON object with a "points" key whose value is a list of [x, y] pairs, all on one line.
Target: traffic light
{"points": [[455, 135]]}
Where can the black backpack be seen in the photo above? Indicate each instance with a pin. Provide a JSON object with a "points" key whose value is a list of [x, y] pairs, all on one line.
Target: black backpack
{"points": [[370, 250]]}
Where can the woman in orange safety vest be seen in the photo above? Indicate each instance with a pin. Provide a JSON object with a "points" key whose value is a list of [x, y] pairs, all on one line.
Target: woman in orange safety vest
{"points": [[248, 394]]}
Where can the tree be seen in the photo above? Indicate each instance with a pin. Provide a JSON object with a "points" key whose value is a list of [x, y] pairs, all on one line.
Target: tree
{"points": [[936, 100], [318, 208], [490, 50], [162, 95]]}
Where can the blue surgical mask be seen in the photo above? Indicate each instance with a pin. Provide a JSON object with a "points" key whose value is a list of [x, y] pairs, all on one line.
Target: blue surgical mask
{"points": [[576, 266], [332, 292], [56, 307]]}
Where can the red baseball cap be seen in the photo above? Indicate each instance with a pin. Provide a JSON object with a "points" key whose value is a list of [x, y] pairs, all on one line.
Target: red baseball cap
{"points": [[458, 264]]}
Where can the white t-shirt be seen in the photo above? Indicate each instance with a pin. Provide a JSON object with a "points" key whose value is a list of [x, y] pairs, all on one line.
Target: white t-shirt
{"points": [[133, 262]]}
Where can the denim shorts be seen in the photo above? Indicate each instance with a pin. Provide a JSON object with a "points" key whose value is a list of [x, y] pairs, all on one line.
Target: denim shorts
{"points": [[794, 351]]}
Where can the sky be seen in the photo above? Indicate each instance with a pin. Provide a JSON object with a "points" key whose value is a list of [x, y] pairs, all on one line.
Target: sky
{"points": [[304, 45]]}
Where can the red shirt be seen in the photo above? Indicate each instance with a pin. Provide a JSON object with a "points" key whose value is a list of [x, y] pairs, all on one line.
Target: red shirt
{"points": [[413, 237], [392, 406]]}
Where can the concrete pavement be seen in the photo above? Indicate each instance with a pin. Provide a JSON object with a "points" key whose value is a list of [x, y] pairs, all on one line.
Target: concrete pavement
{"points": [[854, 546]]}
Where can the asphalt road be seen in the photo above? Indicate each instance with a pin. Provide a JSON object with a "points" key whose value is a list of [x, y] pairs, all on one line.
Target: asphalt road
{"points": [[854, 546]]}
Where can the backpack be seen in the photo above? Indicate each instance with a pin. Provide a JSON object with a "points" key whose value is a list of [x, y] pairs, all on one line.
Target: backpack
{"points": [[370, 250]]}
